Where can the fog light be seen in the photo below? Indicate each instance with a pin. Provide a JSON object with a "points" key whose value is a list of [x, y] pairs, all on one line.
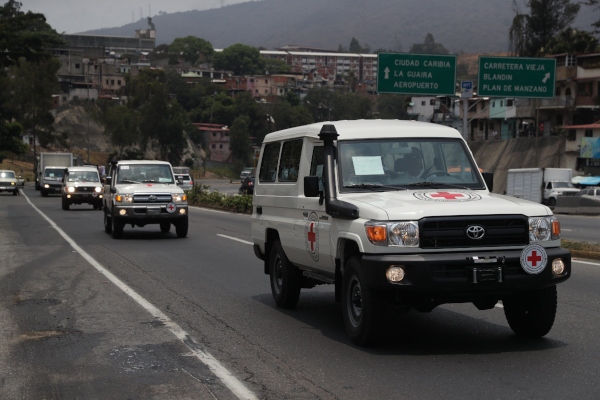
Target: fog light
{"points": [[395, 274], [123, 212], [68, 196], [182, 211], [558, 266]]}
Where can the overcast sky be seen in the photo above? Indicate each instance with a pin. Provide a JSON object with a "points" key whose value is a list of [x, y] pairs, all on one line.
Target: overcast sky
{"points": [[73, 16]]}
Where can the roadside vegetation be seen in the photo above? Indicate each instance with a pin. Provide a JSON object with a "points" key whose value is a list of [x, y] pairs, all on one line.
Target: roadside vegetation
{"points": [[582, 249], [203, 196]]}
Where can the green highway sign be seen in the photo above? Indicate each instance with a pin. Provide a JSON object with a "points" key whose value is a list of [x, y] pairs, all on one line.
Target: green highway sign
{"points": [[516, 77], [426, 74]]}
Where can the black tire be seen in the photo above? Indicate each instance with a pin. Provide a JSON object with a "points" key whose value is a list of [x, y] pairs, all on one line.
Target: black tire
{"points": [[117, 228], [552, 202], [531, 314], [107, 223], [165, 227], [15, 192], [286, 279], [181, 228], [44, 193], [65, 204], [361, 309]]}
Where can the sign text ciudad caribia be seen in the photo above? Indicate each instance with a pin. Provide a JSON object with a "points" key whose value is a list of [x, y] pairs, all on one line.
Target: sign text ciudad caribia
{"points": [[427, 74], [516, 77]]}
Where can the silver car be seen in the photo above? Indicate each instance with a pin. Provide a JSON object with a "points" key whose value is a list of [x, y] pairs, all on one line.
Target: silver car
{"points": [[9, 182], [188, 181]]}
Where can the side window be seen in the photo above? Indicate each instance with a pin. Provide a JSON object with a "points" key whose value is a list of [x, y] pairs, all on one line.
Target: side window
{"points": [[268, 165], [316, 165], [290, 161]]}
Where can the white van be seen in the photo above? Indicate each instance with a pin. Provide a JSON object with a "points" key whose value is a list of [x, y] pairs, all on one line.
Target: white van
{"points": [[398, 213]]}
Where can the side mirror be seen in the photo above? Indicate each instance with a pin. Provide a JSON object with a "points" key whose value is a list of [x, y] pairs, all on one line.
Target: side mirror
{"points": [[488, 178], [311, 186]]}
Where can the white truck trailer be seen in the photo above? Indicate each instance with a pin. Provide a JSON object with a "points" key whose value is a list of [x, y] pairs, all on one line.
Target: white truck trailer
{"points": [[542, 185], [50, 170]]}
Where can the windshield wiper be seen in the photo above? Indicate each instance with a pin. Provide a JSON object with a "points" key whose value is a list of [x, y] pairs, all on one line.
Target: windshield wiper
{"points": [[372, 186], [127, 181], [437, 184]]}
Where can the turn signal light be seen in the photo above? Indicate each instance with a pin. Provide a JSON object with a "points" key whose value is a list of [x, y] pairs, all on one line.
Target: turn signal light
{"points": [[376, 233]]}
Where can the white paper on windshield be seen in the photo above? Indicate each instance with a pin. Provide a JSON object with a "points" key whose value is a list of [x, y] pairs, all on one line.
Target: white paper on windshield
{"points": [[368, 165]]}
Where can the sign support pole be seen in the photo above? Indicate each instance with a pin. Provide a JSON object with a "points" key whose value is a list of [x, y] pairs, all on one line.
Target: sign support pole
{"points": [[465, 114]]}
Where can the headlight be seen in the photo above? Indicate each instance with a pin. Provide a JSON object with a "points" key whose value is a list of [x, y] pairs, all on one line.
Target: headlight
{"points": [[401, 234], [542, 229], [98, 189], [12, 184], [179, 197], [124, 198], [70, 189]]}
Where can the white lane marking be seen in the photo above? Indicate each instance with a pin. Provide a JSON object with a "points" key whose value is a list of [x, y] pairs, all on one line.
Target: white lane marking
{"points": [[236, 239], [228, 379], [585, 262]]}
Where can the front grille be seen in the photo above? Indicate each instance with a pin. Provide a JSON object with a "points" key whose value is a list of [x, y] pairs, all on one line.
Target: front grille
{"points": [[451, 232], [84, 189], [151, 198]]}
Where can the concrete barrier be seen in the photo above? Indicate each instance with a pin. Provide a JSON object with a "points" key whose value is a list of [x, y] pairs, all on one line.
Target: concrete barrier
{"points": [[584, 205]]}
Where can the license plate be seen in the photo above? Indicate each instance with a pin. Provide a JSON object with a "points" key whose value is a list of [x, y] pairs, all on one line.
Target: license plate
{"points": [[152, 211], [486, 275]]}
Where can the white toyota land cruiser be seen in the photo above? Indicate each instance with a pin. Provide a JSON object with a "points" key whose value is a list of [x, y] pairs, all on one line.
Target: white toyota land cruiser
{"points": [[397, 212], [143, 192]]}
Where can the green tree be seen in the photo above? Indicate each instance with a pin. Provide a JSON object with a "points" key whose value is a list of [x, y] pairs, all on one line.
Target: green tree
{"points": [[121, 125], [241, 146], [285, 115], [275, 66], [25, 40], [531, 33], [391, 106], [241, 59], [429, 46], [25, 35], [11, 138], [572, 41], [596, 6], [31, 86], [192, 49], [355, 47]]}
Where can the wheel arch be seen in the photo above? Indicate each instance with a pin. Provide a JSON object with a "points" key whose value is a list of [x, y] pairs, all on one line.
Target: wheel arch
{"points": [[271, 235]]}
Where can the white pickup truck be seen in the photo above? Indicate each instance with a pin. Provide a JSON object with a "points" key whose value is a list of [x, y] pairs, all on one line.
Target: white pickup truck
{"points": [[398, 213], [142, 192]]}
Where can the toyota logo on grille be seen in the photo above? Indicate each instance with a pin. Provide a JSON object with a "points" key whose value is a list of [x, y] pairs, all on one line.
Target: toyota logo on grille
{"points": [[152, 197], [475, 232]]}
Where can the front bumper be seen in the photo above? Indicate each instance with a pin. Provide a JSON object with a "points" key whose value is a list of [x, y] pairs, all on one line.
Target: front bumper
{"points": [[10, 188], [450, 276], [143, 215], [52, 188], [83, 198]]}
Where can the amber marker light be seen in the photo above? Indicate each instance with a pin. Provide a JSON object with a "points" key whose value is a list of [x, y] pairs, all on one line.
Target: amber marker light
{"points": [[555, 228], [376, 233]]}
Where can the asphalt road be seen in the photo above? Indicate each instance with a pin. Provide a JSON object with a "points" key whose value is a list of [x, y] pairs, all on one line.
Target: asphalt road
{"points": [[203, 325]]}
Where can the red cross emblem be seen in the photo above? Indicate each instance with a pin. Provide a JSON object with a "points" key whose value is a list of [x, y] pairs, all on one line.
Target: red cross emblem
{"points": [[447, 195], [534, 258], [312, 236], [171, 207]]}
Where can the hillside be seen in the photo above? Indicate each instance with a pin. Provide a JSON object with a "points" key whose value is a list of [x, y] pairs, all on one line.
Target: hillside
{"points": [[474, 27]]}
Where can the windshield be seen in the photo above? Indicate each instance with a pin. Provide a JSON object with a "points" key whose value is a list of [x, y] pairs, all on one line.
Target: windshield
{"points": [[563, 185], [7, 174], [145, 173], [403, 163], [83, 176], [56, 173]]}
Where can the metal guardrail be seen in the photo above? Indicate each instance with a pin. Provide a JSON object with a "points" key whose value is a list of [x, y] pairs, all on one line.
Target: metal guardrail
{"points": [[586, 205]]}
